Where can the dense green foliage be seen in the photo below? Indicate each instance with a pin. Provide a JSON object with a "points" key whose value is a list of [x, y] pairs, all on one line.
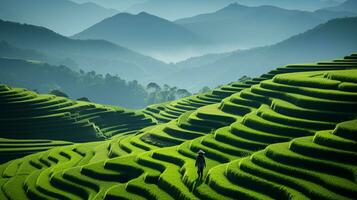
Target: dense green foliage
{"points": [[108, 89], [266, 141]]}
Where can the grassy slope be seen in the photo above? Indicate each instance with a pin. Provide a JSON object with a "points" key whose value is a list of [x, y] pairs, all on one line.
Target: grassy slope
{"points": [[28, 115], [160, 159], [172, 110]]}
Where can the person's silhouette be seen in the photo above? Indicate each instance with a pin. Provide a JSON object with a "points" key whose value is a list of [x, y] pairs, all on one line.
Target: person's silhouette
{"points": [[200, 163]]}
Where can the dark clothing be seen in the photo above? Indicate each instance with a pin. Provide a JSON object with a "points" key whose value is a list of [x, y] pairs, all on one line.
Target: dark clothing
{"points": [[200, 161], [200, 164]]}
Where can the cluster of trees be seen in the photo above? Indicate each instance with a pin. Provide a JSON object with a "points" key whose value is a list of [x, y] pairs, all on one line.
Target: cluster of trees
{"points": [[106, 89], [157, 94]]}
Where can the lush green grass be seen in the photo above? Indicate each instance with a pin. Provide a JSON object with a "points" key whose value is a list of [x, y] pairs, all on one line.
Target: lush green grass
{"points": [[172, 110], [11, 149], [31, 116], [259, 144], [300, 169]]}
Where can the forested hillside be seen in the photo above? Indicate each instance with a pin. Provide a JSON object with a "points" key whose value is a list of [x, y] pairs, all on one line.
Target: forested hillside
{"points": [[106, 89]]}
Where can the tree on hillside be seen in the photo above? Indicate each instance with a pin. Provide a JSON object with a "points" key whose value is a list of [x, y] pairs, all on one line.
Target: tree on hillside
{"points": [[83, 99], [244, 78], [59, 93], [153, 86], [181, 93], [157, 94], [205, 89]]}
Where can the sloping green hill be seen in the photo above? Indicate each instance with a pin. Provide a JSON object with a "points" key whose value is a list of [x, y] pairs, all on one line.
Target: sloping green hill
{"points": [[172, 110], [11, 149], [158, 161], [28, 115], [314, 167], [36, 115]]}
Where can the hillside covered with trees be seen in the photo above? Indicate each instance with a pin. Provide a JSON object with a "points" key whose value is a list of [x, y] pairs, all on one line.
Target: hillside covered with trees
{"points": [[106, 89]]}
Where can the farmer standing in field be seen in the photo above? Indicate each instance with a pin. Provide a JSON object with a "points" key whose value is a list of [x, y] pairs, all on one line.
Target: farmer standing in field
{"points": [[200, 163]]}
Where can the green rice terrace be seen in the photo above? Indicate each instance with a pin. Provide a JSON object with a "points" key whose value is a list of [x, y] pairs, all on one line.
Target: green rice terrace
{"points": [[288, 134], [31, 116]]}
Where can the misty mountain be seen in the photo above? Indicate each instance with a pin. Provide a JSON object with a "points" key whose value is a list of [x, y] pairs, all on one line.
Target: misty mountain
{"points": [[335, 38], [98, 55], [309, 5], [175, 9], [237, 26], [10, 51], [349, 6], [143, 32], [201, 60], [115, 4], [62, 16]]}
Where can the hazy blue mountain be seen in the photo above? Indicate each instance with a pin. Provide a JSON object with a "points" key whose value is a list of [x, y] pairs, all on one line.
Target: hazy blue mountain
{"points": [[310, 5], [10, 51], [335, 38], [62, 16], [201, 60], [237, 26], [175, 9], [349, 5], [143, 32], [101, 56], [115, 4]]}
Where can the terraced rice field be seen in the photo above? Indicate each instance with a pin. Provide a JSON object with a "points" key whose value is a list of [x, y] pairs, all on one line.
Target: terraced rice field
{"points": [[292, 136], [172, 110], [27, 117]]}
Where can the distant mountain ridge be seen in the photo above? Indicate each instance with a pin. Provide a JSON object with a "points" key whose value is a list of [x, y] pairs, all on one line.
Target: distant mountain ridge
{"points": [[333, 39], [227, 29], [143, 32], [62, 16], [175, 9], [101, 56], [115, 4], [247, 27], [348, 5], [308, 5]]}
